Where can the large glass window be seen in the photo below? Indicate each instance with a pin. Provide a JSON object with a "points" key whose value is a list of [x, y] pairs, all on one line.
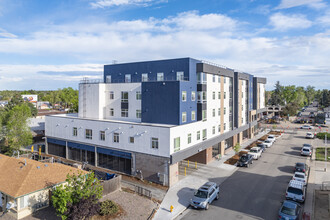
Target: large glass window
{"points": [[88, 133], [193, 96], [219, 112], [193, 115], [138, 113], [204, 115], [102, 135], [213, 130], [75, 131], [116, 137], [224, 110], [184, 116], [112, 112], [124, 96], [131, 140], [127, 78], [219, 128], [138, 95], [160, 76], [124, 113], [204, 134], [111, 95], [219, 95], [154, 143], [201, 78], [198, 135], [184, 96], [180, 76], [189, 138], [144, 77], [176, 144]]}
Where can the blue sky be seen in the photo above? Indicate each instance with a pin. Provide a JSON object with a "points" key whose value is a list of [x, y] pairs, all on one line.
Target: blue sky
{"points": [[55, 43]]}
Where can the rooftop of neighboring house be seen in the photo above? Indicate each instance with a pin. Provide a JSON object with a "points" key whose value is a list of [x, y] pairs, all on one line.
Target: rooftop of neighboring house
{"points": [[21, 176]]}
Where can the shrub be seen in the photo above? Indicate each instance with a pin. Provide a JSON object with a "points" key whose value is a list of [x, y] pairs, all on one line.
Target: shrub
{"points": [[321, 135], [237, 147], [108, 207]]}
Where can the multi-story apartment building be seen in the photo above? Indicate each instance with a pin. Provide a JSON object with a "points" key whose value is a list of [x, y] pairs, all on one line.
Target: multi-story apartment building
{"points": [[144, 118]]}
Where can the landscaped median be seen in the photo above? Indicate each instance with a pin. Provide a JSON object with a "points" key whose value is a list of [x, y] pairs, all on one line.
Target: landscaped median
{"points": [[319, 154]]}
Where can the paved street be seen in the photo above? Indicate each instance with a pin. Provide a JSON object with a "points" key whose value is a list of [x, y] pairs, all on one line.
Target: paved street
{"points": [[256, 192]]}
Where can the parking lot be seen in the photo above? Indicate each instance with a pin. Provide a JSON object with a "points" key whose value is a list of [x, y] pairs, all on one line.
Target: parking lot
{"points": [[257, 192]]}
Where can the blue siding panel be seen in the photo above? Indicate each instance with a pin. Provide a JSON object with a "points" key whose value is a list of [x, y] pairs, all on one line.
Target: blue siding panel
{"points": [[81, 146], [55, 141], [114, 153]]}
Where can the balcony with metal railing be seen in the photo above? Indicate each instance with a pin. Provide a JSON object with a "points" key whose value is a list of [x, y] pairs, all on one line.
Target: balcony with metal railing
{"points": [[165, 79]]}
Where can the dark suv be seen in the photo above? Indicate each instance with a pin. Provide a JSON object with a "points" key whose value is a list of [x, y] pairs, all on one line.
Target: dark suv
{"points": [[245, 160], [301, 167]]}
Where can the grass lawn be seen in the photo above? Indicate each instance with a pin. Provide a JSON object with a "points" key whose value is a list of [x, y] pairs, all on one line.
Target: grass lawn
{"points": [[319, 154]]}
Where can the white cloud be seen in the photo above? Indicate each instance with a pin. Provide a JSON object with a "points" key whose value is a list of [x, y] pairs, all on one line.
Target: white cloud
{"points": [[112, 3], [6, 34], [214, 37], [324, 19], [282, 22], [317, 4]]}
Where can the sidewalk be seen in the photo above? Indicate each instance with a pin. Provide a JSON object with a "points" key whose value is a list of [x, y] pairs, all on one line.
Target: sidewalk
{"points": [[317, 176], [180, 194]]}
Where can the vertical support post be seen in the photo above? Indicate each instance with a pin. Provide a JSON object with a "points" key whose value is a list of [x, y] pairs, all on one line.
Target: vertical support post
{"points": [[195, 165], [95, 153], [188, 163], [185, 171]]}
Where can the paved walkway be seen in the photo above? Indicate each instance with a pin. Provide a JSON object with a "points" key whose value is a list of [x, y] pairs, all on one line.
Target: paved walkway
{"points": [[180, 194]]}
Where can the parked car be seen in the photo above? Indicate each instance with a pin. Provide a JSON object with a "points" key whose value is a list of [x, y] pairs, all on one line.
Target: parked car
{"points": [[310, 135], [262, 147], [205, 195], [268, 143], [308, 145], [296, 191], [271, 138], [290, 210], [255, 152], [308, 127], [245, 160], [306, 151], [301, 167], [299, 176]]}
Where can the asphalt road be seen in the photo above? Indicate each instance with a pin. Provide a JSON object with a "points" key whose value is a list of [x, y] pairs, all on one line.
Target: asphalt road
{"points": [[257, 192]]}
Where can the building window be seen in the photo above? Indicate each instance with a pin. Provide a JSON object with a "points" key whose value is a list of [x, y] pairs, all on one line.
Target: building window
{"points": [[176, 144], [213, 130], [160, 76], [124, 96], [224, 126], [138, 95], [213, 112], [219, 95], [184, 117], [204, 118], [116, 137], [198, 135], [88, 133], [108, 79], [144, 77], [213, 78], [112, 95], [213, 95], [184, 96], [224, 95], [201, 78], [219, 112], [102, 135], [242, 120], [224, 110], [131, 140], [154, 143], [224, 79], [204, 134], [180, 76], [193, 115], [189, 138], [127, 78], [219, 128], [219, 79], [112, 112], [124, 113], [138, 113], [75, 131], [193, 96]]}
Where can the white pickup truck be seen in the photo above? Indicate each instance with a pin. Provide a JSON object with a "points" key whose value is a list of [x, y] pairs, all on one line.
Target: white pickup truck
{"points": [[255, 152]]}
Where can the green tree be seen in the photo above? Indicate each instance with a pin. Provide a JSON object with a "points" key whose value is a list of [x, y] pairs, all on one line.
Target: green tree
{"points": [[14, 101], [310, 93], [237, 147], [277, 95], [289, 94], [18, 133], [33, 109], [74, 194]]}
